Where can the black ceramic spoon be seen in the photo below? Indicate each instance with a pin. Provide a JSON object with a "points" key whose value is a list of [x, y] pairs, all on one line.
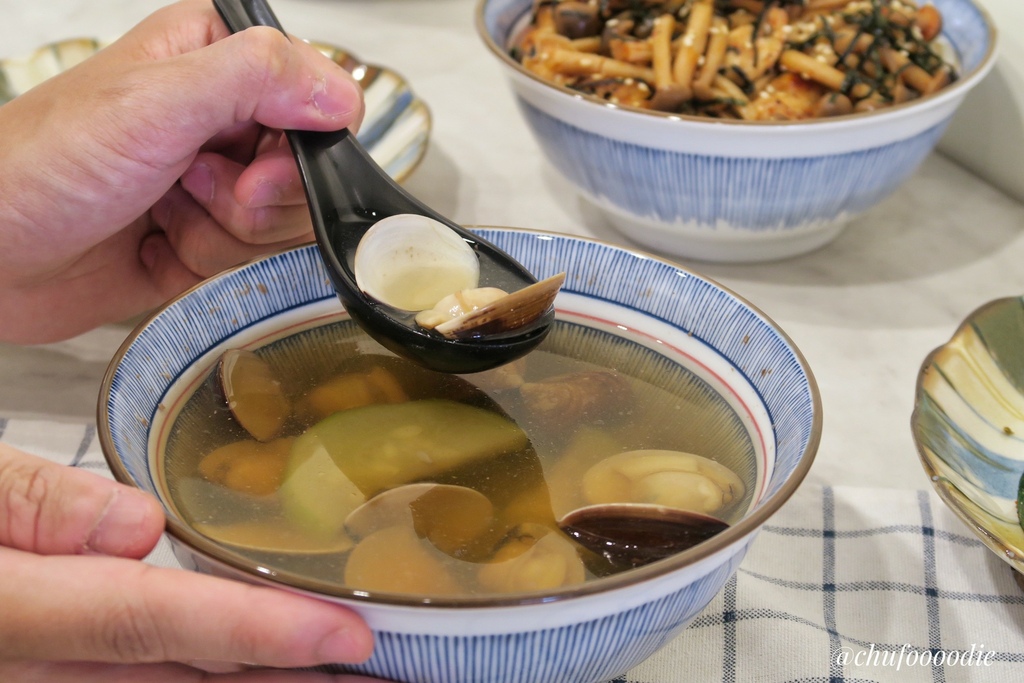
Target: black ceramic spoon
{"points": [[347, 193], [629, 535]]}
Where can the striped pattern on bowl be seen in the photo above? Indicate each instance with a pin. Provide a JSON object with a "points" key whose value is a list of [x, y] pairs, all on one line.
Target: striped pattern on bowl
{"points": [[968, 423]]}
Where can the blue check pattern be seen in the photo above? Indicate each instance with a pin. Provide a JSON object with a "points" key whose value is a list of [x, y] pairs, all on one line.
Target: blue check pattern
{"points": [[844, 585]]}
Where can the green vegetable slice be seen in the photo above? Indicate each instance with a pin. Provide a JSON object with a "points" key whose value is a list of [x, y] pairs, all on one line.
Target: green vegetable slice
{"points": [[358, 453]]}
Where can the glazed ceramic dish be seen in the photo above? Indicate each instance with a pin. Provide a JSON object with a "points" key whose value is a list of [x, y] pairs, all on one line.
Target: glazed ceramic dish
{"points": [[968, 424], [586, 633], [395, 128], [734, 191]]}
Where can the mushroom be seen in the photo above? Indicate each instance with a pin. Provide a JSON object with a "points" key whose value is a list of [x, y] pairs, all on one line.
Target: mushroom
{"points": [[252, 393], [572, 397], [577, 19]]}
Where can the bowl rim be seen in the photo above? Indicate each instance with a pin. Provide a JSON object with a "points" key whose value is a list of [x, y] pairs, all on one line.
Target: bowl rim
{"points": [[978, 524], [745, 528], [958, 88]]}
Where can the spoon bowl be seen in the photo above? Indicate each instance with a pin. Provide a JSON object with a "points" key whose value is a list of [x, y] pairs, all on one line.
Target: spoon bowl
{"points": [[347, 193], [630, 535]]}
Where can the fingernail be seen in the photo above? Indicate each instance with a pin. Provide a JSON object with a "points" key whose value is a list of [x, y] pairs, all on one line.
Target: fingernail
{"points": [[265, 194], [339, 99], [119, 525], [198, 182]]}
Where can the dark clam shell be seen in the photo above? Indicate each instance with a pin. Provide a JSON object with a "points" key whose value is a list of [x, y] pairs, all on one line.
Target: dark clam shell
{"points": [[252, 393]]}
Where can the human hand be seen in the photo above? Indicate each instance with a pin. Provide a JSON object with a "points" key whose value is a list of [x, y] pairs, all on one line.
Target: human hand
{"points": [[79, 606], [94, 224]]}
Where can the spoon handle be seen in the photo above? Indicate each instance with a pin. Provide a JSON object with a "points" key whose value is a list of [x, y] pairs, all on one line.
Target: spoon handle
{"points": [[347, 190], [242, 14]]}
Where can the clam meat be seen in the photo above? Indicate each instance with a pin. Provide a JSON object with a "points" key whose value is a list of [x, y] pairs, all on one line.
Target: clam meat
{"points": [[671, 479], [533, 558]]}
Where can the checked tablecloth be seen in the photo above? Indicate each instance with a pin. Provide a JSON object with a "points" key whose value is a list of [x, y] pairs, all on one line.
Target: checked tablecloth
{"points": [[843, 584]]}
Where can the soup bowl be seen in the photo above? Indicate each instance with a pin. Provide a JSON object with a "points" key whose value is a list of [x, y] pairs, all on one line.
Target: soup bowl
{"points": [[585, 633], [733, 190]]}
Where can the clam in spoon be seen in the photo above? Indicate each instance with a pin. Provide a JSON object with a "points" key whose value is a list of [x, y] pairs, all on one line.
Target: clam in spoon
{"points": [[348, 193]]}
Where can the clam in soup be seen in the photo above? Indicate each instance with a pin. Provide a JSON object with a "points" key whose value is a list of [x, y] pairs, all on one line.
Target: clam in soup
{"points": [[323, 456]]}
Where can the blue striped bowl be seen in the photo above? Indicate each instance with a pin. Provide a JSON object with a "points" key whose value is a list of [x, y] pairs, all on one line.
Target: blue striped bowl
{"points": [[734, 191], [396, 124], [586, 634], [968, 424]]}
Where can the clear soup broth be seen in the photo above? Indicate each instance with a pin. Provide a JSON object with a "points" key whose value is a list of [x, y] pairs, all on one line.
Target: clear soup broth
{"points": [[323, 455]]}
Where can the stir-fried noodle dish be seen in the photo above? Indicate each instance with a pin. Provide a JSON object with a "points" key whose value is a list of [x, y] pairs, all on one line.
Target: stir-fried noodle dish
{"points": [[759, 60]]}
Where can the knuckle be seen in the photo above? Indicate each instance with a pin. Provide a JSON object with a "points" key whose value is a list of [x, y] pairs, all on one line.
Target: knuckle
{"points": [[266, 51], [258, 222], [24, 492], [130, 631]]}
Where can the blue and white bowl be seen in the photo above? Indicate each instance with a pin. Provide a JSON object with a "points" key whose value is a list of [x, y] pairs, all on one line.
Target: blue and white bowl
{"points": [[585, 634], [734, 191]]}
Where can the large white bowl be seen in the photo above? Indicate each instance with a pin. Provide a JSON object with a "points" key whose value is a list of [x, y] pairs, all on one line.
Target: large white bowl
{"points": [[586, 634], [735, 191]]}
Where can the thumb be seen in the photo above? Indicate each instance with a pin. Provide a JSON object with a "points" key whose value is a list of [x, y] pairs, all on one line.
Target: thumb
{"points": [[255, 75], [50, 509]]}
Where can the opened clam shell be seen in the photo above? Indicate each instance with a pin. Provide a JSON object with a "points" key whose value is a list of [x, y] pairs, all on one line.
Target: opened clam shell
{"points": [[533, 558], [507, 313], [252, 393], [449, 516], [411, 262]]}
